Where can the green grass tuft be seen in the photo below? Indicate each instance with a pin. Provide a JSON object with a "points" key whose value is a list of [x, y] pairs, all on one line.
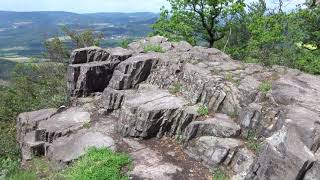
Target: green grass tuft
{"points": [[265, 87], [219, 174], [203, 111], [99, 164], [153, 48], [252, 141], [176, 88]]}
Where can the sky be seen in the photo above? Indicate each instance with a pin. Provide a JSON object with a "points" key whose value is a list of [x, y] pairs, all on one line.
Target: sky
{"points": [[92, 6]]}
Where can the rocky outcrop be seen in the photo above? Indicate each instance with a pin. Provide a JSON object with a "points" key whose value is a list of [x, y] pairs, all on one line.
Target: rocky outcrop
{"points": [[91, 69], [217, 108]]}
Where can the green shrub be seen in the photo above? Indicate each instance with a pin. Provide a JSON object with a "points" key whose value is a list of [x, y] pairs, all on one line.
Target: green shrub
{"points": [[99, 164], [203, 111], [229, 77], [153, 48], [176, 88], [124, 43], [219, 174], [33, 87], [265, 87], [252, 141]]}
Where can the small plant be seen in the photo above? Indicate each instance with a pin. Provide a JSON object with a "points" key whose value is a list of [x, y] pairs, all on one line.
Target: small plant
{"points": [[179, 138], [265, 87], [153, 48], [233, 114], [87, 125], [124, 43], [214, 71], [176, 88], [203, 111], [252, 141], [99, 164], [229, 77], [219, 174]]}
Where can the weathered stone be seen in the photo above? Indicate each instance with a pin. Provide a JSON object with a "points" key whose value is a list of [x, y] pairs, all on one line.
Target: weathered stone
{"points": [[313, 172], [219, 126], [213, 151], [30, 147], [182, 46], [283, 156], [84, 79], [67, 149], [148, 113], [133, 71], [93, 75], [62, 124], [27, 122], [83, 55], [150, 165], [241, 163]]}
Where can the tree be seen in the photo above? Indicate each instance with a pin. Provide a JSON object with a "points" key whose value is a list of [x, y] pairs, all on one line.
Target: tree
{"points": [[83, 39], [197, 20], [57, 50]]}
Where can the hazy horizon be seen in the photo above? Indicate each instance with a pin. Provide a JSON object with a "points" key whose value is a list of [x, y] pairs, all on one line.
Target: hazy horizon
{"points": [[102, 6]]}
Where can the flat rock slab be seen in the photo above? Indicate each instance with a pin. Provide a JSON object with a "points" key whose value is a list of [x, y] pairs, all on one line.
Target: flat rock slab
{"points": [[29, 121], [149, 113], [213, 151], [63, 123], [148, 164], [153, 161], [220, 125], [67, 149]]}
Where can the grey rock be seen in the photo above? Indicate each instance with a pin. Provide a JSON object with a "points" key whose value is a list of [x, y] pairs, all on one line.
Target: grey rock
{"points": [[29, 121], [182, 46], [30, 147], [213, 151], [283, 156], [241, 163], [83, 55], [219, 126], [93, 75], [62, 124], [313, 172], [148, 113], [133, 71], [67, 149], [84, 79], [150, 165]]}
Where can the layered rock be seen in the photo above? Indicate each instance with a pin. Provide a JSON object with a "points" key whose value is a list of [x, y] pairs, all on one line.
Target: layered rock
{"points": [[91, 69], [147, 95]]}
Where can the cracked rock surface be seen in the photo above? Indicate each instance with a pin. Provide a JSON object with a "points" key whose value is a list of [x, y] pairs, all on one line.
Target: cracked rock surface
{"points": [[195, 104]]}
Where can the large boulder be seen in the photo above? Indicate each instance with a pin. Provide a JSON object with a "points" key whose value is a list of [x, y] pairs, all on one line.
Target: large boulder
{"points": [[283, 156], [67, 149], [219, 126], [91, 69]]}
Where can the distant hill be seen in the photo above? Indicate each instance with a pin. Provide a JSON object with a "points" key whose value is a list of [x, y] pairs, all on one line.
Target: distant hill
{"points": [[22, 33]]}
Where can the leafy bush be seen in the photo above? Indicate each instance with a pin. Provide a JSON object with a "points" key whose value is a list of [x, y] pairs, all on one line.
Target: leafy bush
{"points": [[203, 111], [252, 141], [124, 43], [176, 88], [219, 174], [153, 48], [99, 164], [265, 87], [34, 86]]}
